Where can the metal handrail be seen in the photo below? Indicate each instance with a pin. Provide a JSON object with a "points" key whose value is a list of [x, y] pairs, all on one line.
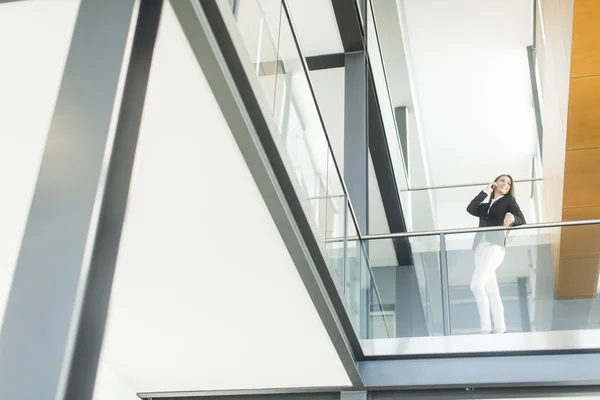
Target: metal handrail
{"points": [[482, 229], [467, 185]]}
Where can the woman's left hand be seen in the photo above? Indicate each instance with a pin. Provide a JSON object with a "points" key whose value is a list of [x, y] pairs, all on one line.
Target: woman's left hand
{"points": [[509, 219]]}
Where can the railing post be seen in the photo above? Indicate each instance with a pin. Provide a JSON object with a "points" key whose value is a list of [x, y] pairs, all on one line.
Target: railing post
{"points": [[445, 286]]}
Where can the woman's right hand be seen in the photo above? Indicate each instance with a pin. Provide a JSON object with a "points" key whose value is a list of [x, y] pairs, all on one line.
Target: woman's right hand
{"points": [[490, 188]]}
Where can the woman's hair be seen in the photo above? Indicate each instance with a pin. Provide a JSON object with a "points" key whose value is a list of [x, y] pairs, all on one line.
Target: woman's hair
{"points": [[511, 192]]}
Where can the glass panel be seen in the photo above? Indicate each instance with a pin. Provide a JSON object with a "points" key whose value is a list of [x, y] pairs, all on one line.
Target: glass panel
{"points": [[306, 151], [258, 23], [381, 321], [306, 147], [407, 274], [385, 103], [368, 316], [352, 290], [397, 139], [543, 280], [336, 210], [35, 39]]}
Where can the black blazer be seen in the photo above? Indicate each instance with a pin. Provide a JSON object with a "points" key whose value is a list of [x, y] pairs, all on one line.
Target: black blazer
{"points": [[506, 204]]}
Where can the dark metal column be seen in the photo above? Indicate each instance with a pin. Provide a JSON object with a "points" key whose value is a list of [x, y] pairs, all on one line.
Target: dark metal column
{"points": [[410, 316], [356, 143], [97, 296], [401, 115], [531, 56]]}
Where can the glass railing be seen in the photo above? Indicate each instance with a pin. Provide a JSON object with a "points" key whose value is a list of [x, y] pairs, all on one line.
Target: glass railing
{"points": [[407, 273], [527, 279], [451, 200], [272, 48], [377, 66], [362, 294]]}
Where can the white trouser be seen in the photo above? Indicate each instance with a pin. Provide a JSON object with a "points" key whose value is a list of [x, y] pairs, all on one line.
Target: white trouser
{"points": [[484, 286]]}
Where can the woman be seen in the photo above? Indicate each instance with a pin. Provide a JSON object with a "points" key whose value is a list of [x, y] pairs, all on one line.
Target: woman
{"points": [[501, 210]]}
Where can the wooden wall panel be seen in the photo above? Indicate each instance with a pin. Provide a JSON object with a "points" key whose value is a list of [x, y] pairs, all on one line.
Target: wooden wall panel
{"points": [[581, 213], [583, 123], [582, 178], [585, 57], [581, 240], [578, 266], [577, 277]]}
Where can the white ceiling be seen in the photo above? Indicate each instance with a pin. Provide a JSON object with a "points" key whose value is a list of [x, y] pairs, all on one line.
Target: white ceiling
{"points": [[461, 68], [316, 26], [471, 77]]}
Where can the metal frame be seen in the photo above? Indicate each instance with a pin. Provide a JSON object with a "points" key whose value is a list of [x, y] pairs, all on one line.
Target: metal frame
{"points": [[463, 393], [311, 393], [483, 229], [96, 300], [476, 345], [531, 57], [474, 372], [523, 303], [468, 185], [52, 333], [349, 24], [401, 116], [326, 61], [488, 393], [356, 138], [446, 327], [353, 32]]}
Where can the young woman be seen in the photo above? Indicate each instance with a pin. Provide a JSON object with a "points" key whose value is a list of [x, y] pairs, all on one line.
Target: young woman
{"points": [[500, 210]]}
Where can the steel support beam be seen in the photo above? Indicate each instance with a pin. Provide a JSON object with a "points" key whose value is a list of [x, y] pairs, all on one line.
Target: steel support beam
{"points": [[54, 324], [356, 138], [490, 371]]}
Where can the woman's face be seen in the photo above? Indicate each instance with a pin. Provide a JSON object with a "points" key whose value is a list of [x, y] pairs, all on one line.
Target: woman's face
{"points": [[503, 184]]}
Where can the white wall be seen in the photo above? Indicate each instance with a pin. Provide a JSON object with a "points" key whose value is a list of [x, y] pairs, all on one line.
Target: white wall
{"points": [[206, 296], [110, 386], [468, 71], [316, 26], [472, 78], [34, 38]]}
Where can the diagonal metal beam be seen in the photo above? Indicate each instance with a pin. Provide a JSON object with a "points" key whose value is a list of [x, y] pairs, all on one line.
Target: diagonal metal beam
{"points": [[54, 324], [349, 23], [384, 172]]}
